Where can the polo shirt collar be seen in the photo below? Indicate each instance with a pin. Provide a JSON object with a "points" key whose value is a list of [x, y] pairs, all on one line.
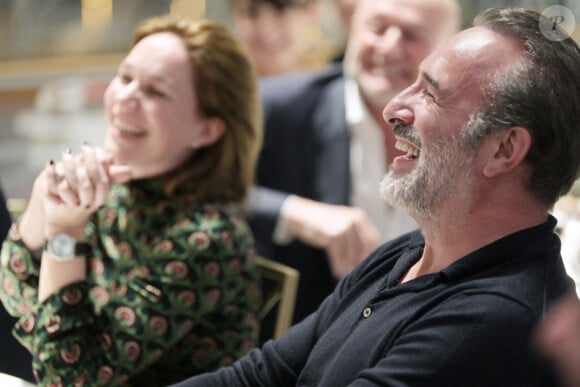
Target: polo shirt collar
{"points": [[537, 241]]}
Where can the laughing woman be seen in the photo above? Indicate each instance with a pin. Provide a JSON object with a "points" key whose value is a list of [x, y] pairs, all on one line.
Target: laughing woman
{"points": [[132, 264]]}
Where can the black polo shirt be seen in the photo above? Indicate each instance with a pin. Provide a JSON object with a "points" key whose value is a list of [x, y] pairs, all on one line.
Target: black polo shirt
{"points": [[468, 325]]}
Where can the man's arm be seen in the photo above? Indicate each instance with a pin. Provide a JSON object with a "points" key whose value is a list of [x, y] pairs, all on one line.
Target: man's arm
{"points": [[277, 363], [345, 233]]}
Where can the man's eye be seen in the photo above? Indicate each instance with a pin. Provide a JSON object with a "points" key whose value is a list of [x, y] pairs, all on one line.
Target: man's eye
{"points": [[252, 11], [154, 92], [410, 36], [377, 28], [428, 94], [124, 78]]}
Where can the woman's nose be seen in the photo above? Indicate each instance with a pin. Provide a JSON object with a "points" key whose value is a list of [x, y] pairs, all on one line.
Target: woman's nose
{"points": [[126, 97], [128, 91]]}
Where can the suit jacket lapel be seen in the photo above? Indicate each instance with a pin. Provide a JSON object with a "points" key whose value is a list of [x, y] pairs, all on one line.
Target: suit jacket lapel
{"points": [[332, 146]]}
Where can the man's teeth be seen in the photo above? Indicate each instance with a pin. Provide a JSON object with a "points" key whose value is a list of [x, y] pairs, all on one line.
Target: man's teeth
{"points": [[407, 148]]}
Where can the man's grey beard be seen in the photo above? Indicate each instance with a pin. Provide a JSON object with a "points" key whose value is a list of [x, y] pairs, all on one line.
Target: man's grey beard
{"points": [[427, 186]]}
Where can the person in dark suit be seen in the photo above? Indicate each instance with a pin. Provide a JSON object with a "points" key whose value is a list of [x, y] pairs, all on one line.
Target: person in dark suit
{"points": [[5, 219], [326, 147], [557, 338], [282, 36], [14, 358]]}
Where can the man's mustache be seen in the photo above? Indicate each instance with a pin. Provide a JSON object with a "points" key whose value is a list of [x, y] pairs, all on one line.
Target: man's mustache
{"points": [[407, 132]]}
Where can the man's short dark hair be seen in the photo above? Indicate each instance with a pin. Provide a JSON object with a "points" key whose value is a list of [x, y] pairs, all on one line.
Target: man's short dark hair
{"points": [[542, 95], [283, 4]]}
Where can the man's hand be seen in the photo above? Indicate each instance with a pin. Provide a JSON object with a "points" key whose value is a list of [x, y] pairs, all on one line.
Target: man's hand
{"points": [[558, 338], [346, 233]]}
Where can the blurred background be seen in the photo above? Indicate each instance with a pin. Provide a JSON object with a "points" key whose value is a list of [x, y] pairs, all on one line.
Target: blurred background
{"points": [[57, 56]]}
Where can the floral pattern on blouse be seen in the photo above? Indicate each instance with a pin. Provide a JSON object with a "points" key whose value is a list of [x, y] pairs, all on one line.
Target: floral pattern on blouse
{"points": [[171, 291]]}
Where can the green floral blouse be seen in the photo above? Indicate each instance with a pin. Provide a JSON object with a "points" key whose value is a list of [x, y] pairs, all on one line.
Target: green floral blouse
{"points": [[171, 291]]}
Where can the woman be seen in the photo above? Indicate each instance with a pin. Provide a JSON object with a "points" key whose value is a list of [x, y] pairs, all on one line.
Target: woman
{"points": [[147, 272]]}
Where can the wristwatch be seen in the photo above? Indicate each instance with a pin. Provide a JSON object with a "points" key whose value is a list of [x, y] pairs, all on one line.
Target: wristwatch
{"points": [[64, 247]]}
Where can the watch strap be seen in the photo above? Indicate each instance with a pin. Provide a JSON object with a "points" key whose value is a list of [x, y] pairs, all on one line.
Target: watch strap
{"points": [[82, 248]]}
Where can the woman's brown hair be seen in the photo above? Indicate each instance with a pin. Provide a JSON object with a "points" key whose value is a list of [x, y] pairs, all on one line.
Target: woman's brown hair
{"points": [[225, 84]]}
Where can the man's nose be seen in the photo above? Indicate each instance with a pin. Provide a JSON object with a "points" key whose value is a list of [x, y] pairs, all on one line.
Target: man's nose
{"points": [[399, 111], [391, 42]]}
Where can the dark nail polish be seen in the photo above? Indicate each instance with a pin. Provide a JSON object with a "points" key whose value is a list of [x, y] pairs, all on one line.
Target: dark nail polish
{"points": [[51, 162]]}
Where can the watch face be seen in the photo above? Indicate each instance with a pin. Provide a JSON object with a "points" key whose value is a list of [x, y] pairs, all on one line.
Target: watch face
{"points": [[62, 246]]}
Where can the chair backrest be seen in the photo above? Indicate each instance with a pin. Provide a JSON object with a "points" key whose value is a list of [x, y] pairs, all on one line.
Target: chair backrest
{"points": [[283, 293]]}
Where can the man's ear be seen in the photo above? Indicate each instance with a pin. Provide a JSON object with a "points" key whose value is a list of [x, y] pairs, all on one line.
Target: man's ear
{"points": [[313, 12], [211, 130], [508, 150]]}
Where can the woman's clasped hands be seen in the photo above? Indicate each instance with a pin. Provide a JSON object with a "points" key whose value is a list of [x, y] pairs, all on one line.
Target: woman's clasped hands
{"points": [[77, 185]]}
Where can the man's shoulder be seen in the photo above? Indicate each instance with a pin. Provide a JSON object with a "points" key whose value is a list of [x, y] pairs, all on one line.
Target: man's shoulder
{"points": [[300, 84]]}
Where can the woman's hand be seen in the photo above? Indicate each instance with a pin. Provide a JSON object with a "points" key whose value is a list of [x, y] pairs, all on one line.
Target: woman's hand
{"points": [[76, 186]]}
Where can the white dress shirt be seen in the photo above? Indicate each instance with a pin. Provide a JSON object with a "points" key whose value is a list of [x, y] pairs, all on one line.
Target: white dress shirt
{"points": [[368, 157]]}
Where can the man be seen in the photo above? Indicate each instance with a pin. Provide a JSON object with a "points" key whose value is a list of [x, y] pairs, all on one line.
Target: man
{"points": [[327, 147], [457, 303], [15, 360], [345, 9], [280, 35], [5, 220], [558, 339]]}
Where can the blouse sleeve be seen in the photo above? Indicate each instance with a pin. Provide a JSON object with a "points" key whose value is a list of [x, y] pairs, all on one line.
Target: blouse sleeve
{"points": [[18, 274], [143, 295]]}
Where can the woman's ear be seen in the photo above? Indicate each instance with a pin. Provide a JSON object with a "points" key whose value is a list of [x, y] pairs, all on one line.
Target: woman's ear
{"points": [[508, 150], [210, 131]]}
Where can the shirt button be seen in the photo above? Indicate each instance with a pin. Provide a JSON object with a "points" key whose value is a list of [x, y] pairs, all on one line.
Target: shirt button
{"points": [[367, 312]]}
